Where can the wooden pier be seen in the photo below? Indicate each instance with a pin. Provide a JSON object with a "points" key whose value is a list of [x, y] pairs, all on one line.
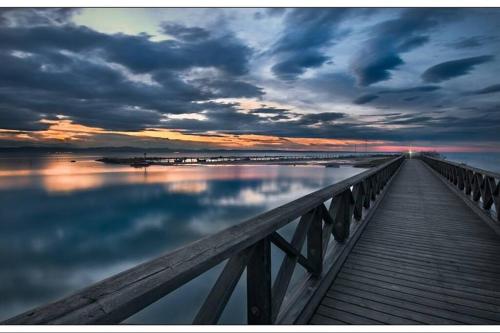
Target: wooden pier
{"points": [[412, 241]]}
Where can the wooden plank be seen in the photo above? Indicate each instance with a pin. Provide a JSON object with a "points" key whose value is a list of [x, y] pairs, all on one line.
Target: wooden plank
{"points": [[429, 258], [481, 310], [313, 291], [424, 256], [398, 267], [440, 288], [428, 263], [454, 242], [450, 248], [361, 309], [435, 279], [439, 308], [319, 319], [346, 316], [386, 305], [483, 265]]}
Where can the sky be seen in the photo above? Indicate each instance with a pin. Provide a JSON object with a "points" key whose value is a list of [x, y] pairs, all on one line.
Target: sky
{"points": [[384, 79]]}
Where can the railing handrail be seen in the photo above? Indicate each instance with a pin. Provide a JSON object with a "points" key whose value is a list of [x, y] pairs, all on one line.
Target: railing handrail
{"points": [[124, 294], [474, 184], [465, 166]]}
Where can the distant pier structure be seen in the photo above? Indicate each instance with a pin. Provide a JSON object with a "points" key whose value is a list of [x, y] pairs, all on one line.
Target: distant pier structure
{"points": [[410, 241]]}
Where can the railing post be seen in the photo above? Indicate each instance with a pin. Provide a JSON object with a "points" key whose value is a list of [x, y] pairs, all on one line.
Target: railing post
{"points": [[367, 196], [476, 186], [259, 311], [315, 243], [341, 227], [358, 194], [468, 181]]}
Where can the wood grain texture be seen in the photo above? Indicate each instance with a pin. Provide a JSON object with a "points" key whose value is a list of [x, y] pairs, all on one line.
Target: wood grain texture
{"points": [[424, 258]]}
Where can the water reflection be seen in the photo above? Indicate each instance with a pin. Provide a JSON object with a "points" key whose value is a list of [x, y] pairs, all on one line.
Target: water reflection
{"points": [[65, 225]]}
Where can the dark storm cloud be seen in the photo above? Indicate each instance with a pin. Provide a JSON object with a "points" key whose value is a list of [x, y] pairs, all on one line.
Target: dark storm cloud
{"points": [[365, 99], [307, 31], [320, 118], [269, 110], [36, 16], [48, 70], [472, 42], [224, 52], [229, 120], [124, 82], [181, 32], [428, 88], [297, 63], [488, 90], [382, 52], [454, 68], [21, 119], [227, 87]]}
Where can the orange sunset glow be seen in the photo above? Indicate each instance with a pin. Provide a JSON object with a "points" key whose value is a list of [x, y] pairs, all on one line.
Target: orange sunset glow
{"points": [[69, 132]]}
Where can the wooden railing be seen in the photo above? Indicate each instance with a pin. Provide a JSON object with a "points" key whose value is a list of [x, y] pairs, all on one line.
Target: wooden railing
{"points": [[246, 245], [475, 184]]}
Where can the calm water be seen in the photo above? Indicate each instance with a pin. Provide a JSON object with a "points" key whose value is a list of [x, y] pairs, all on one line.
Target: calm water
{"points": [[65, 225], [486, 161]]}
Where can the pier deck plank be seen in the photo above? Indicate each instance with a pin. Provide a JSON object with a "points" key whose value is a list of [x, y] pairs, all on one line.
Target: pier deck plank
{"points": [[424, 258]]}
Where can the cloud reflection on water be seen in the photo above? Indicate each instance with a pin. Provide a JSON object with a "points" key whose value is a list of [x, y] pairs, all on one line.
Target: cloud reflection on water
{"points": [[60, 233]]}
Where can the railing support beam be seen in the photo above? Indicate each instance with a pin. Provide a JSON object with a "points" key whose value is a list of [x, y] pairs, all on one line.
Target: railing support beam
{"points": [[259, 311]]}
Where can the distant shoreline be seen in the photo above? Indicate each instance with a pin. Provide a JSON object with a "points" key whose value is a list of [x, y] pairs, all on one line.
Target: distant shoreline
{"points": [[329, 160]]}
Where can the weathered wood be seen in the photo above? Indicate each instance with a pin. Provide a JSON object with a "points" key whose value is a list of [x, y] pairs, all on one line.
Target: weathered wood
{"points": [[345, 316], [473, 183], [315, 243], [315, 289], [358, 195], [286, 247], [420, 303], [424, 256], [259, 306], [343, 216], [219, 295], [287, 267]]}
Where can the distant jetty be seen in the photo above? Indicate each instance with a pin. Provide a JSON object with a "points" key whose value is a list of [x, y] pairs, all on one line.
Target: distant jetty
{"points": [[327, 160]]}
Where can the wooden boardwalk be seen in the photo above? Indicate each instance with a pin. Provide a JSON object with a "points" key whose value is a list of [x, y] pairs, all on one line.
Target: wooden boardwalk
{"points": [[424, 258]]}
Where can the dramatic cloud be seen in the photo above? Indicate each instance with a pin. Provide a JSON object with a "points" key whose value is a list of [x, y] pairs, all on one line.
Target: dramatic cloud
{"points": [[36, 16], [410, 90], [451, 69], [307, 31], [382, 51], [224, 52], [365, 99], [196, 77], [89, 76], [297, 63], [181, 32], [472, 42], [488, 90]]}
